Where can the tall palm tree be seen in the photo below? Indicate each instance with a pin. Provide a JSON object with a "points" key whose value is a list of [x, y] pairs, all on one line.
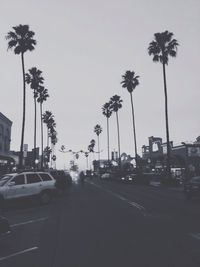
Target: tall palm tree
{"points": [[130, 81], [107, 112], [21, 40], [116, 104], [42, 96], [35, 79], [98, 131], [161, 48]]}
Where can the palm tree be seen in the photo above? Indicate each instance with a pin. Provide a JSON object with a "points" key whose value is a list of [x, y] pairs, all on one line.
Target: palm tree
{"points": [[161, 48], [47, 153], [43, 95], [98, 130], [116, 104], [48, 119], [107, 112], [35, 79], [92, 143], [21, 40], [130, 81], [54, 140]]}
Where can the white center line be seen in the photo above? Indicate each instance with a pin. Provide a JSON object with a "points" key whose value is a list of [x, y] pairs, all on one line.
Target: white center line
{"points": [[18, 253], [133, 204], [28, 222]]}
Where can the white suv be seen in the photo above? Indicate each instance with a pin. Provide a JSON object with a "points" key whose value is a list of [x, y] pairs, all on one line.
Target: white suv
{"points": [[27, 184]]}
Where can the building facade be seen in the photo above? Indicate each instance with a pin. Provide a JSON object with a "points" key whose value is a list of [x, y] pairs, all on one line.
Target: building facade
{"points": [[186, 155], [6, 159]]}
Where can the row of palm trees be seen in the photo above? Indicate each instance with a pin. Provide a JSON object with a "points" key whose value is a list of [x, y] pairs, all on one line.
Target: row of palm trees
{"points": [[161, 48], [21, 40]]}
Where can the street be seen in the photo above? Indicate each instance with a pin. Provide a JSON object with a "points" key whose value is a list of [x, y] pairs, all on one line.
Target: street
{"points": [[105, 223]]}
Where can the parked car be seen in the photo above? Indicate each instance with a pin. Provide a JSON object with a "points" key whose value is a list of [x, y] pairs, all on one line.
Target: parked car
{"points": [[4, 226], [63, 180], [27, 185], [192, 187]]}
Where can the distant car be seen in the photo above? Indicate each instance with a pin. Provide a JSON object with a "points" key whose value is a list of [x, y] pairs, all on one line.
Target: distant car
{"points": [[4, 226], [90, 174], [106, 175], [27, 185], [192, 187], [63, 179], [128, 178]]}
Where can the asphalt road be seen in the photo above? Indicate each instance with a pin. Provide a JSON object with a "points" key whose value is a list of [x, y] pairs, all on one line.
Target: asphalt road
{"points": [[107, 224]]}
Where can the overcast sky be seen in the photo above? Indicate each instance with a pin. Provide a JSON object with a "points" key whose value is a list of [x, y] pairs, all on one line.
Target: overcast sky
{"points": [[83, 48]]}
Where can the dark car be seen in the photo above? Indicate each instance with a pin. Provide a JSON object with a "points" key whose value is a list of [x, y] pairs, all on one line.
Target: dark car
{"points": [[63, 180], [4, 226], [192, 187], [133, 178], [128, 178]]}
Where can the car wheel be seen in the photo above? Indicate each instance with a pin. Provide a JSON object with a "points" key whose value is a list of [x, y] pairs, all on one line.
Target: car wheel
{"points": [[45, 197]]}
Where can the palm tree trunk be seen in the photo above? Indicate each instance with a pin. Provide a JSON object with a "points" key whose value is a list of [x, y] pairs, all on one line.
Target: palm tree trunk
{"points": [[47, 137], [42, 152], [51, 155], [98, 149], [35, 119], [24, 112], [134, 131], [108, 140], [119, 153], [167, 124]]}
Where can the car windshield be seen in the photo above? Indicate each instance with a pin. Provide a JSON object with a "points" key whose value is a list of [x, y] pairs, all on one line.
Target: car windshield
{"points": [[4, 179], [196, 179]]}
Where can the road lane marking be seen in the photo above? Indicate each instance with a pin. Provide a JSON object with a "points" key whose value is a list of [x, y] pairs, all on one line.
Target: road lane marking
{"points": [[28, 222], [195, 235], [132, 203], [18, 253]]}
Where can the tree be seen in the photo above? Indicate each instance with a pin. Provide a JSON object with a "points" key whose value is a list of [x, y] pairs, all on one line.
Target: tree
{"points": [[130, 81], [98, 130], [86, 156], [21, 40], [35, 79], [92, 143], [48, 119], [42, 96], [107, 112], [161, 48], [116, 104], [54, 140], [47, 153]]}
